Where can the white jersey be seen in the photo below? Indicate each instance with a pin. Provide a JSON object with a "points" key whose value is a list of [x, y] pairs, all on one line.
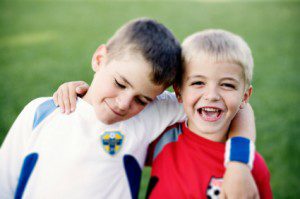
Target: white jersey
{"points": [[47, 154]]}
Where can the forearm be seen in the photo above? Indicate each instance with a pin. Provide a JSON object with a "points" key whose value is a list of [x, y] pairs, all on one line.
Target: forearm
{"points": [[243, 124]]}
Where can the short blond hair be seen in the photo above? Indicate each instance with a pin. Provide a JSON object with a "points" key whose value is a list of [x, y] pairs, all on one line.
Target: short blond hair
{"points": [[218, 46]]}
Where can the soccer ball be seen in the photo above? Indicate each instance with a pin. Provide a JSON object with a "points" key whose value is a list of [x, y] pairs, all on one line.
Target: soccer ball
{"points": [[214, 188]]}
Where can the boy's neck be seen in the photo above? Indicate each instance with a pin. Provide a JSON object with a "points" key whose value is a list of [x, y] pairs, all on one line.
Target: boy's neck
{"points": [[216, 136]]}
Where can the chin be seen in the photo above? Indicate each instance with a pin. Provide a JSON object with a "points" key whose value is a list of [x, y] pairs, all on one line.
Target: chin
{"points": [[209, 130], [105, 120]]}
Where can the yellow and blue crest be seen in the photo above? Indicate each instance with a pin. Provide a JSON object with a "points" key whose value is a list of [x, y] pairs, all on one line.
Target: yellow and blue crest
{"points": [[112, 141]]}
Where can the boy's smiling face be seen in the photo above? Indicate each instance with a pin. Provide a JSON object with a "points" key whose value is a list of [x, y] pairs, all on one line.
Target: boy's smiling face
{"points": [[121, 88], [212, 93]]}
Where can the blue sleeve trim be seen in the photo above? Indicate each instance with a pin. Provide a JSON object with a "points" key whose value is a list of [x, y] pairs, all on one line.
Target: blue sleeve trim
{"points": [[168, 137], [134, 174], [27, 168], [43, 111]]}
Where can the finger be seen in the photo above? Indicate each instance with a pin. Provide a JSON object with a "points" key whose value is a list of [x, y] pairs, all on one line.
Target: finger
{"points": [[66, 99], [60, 100], [222, 194], [78, 83], [81, 90], [256, 195], [55, 99], [72, 97]]}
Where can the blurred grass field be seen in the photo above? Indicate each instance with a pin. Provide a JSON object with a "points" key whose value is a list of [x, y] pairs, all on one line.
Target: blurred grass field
{"points": [[45, 43]]}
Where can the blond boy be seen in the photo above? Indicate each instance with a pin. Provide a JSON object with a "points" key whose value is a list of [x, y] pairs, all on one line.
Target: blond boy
{"points": [[188, 160]]}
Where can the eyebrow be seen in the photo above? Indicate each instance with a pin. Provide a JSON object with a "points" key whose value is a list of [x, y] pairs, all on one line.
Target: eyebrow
{"points": [[224, 78], [127, 82], [195, 76], [231, 79]]}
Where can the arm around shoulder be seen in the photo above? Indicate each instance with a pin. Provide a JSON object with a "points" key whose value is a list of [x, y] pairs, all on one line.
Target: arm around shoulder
{"points": [[161, 113]]}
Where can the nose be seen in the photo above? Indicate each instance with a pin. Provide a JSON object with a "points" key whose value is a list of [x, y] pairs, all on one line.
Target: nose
{"points": [[124, 101], [212, 94]]}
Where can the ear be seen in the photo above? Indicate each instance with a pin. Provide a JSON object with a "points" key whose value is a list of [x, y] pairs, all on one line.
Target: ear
{"points": [[246, 97], [98, 57], [177, 92]]}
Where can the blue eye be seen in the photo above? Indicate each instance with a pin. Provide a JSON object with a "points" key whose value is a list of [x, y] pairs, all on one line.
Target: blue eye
{"points": [[119, 85]]}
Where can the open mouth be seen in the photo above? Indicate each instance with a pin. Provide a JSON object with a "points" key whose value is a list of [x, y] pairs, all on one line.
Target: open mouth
{"points": [[210, 114]]}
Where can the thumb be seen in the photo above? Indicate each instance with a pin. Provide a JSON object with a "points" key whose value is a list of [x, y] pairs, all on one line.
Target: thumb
{"points": [[81, 90], [222, 194], [78, 83]]}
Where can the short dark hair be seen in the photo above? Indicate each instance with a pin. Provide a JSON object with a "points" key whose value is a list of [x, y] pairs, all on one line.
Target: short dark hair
{"points": [[155, 43]]}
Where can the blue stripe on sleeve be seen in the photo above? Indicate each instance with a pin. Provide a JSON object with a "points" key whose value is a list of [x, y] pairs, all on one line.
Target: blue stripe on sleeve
{"points": [[170, 136], [27, 168], [43, 111]]}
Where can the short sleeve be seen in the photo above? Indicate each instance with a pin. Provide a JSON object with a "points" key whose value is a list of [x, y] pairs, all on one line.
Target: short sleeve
{"points": [[163, 112], [13, 147]]}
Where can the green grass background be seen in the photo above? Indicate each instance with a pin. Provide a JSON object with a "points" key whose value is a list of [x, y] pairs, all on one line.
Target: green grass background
{"points": [[45, 43]]}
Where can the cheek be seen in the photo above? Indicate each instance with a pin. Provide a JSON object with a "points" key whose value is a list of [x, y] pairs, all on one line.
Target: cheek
{"points": [[190, 96], [105, 89], [134, 110], [233, 103]]}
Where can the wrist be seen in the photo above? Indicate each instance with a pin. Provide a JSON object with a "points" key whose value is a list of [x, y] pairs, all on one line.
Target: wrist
{"points": [[239, 149]]}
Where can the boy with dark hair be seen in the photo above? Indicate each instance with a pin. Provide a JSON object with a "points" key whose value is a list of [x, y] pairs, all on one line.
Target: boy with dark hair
{"points": [[93, 152]]}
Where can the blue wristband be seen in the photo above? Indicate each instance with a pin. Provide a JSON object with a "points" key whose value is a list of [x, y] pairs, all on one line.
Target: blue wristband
{"points": [[241, 150]]}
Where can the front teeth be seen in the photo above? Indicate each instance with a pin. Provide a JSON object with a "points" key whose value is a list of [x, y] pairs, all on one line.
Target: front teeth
{"points": [[210, 109]]}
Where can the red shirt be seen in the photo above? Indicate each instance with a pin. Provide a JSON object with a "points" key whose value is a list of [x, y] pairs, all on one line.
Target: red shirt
{"points": [[186, 165]]}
